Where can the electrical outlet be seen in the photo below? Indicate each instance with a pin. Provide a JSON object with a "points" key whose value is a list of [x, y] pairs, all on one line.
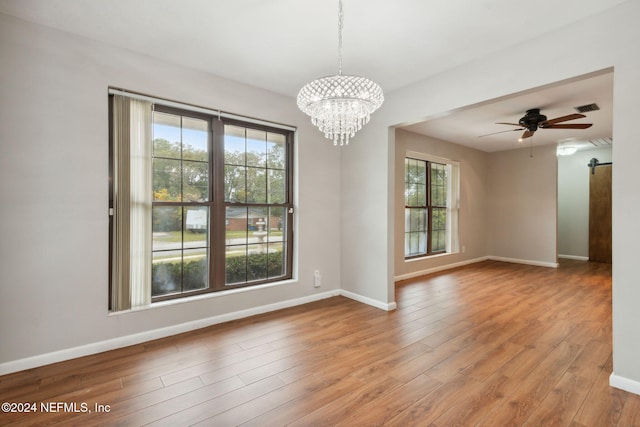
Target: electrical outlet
{"points": [[317, 279]]}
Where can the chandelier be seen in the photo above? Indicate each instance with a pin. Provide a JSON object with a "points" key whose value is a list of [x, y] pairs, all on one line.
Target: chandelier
{"points": [[340, 105]]}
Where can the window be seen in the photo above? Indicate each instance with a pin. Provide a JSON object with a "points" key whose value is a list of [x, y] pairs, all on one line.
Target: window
{"points": [[200, 202], [430, 199], [437, 206], [255, 196], [182, 202]]}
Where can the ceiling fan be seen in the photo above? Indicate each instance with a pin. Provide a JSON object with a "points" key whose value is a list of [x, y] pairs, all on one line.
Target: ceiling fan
{"points": [[533, 121]]}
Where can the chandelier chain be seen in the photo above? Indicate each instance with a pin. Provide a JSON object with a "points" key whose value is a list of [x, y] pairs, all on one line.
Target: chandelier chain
{"points": [[340, 27]]}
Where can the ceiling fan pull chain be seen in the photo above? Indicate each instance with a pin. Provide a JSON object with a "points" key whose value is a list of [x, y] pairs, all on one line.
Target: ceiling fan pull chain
{"points": [[531, 147]]}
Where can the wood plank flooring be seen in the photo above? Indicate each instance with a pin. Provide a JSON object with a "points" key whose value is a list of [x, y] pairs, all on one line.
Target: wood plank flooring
{"points": [[492, 344]]}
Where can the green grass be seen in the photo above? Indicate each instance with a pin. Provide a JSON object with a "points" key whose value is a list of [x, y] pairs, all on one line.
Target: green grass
{"points": [[176, 236]]}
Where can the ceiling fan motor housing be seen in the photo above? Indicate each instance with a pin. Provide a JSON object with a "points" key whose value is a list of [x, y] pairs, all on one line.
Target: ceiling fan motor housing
{"points": [[531, 119]]}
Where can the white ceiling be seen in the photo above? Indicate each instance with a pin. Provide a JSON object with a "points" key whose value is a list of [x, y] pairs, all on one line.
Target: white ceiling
{"points": [[280, 45]]}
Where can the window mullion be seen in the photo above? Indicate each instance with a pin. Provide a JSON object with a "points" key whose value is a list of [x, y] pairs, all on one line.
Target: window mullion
{"points": [[218, 231]]}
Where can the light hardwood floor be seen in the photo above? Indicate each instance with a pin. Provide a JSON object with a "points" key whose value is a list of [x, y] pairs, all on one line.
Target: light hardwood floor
{"points": [[492, 344]]}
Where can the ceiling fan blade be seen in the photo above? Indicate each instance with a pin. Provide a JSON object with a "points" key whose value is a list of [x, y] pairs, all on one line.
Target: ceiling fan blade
{"points": [[546, 123], [502, 131], [510, 124], [569, 126], [526, 134]]}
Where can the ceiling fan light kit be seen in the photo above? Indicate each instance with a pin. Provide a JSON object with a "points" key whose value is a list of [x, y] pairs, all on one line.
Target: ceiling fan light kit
{"points": [[566, 150]]}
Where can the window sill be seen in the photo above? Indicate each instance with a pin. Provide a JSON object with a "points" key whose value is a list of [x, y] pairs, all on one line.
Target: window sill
{"points": [[205, 296], [426, 257]]}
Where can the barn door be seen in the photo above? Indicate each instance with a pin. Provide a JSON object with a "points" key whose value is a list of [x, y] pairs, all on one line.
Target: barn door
{"points": [[600, 213]]}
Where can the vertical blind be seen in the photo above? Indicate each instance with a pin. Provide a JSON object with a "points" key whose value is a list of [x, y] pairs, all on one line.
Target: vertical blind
{"points": [[132, 192]]}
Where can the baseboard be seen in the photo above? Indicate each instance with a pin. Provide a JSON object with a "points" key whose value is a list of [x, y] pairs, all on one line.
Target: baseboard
{"points": [[369, 301], [625, 384], [473, 261], [575, 257], [524, 261], [437, 269], [111, 344]]}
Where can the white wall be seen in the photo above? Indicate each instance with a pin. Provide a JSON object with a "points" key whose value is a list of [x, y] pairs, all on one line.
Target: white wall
{"points": [[522, 205], [53, 187], [573, 201], [597, 43], [473, 207]]}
